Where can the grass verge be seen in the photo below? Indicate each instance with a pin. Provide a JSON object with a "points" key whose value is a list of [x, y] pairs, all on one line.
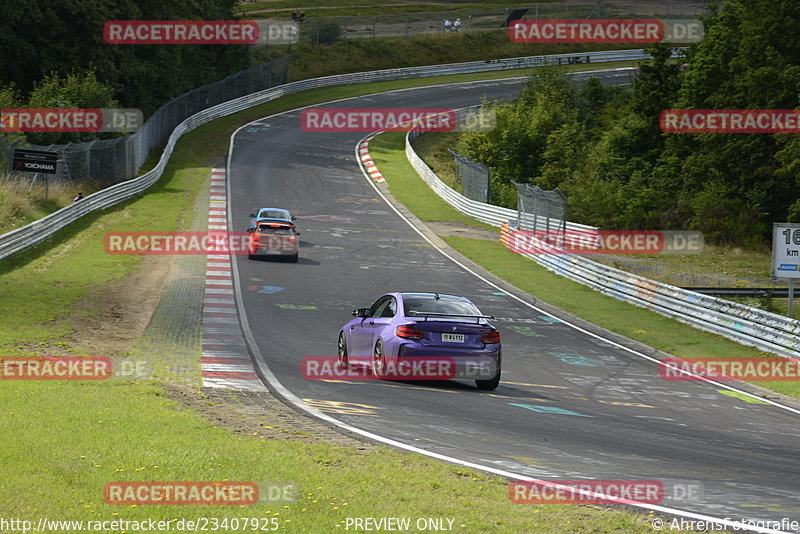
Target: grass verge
{"points": [[66, 440], [363, 8], [23, 201], [69, 440], [645, 326]]}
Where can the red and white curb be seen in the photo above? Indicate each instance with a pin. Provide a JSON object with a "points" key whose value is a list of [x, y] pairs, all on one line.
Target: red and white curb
{"points": [[366, 159], [225, 361]]}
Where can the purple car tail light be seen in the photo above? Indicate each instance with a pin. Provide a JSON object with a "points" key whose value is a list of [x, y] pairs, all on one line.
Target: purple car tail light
{"points": [[491, 337], [408, 331]]}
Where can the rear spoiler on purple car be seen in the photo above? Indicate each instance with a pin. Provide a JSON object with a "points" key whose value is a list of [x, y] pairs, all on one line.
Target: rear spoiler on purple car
{"points": [[430, 314]]}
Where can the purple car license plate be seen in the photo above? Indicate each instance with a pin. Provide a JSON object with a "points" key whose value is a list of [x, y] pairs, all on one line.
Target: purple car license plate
{"points": [[453, 338]]}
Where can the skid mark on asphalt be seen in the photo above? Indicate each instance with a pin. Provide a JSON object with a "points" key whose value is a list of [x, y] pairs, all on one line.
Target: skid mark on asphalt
{"points": [[506, 382], [325, 155], [620, 403], [406, 386], [529, 320], [533, 399], [225, 361], [330, 218], [570, 397]]}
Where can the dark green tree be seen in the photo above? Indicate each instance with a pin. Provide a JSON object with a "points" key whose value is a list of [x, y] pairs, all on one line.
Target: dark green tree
{"points": [[76, 90], [62, 36], [749, 59]]}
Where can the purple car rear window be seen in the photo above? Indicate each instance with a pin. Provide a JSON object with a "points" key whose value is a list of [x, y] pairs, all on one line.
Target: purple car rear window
{"points": [[443, 305]]}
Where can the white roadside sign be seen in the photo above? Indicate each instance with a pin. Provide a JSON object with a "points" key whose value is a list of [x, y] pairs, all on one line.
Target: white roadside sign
{"points": [[786, 251]]}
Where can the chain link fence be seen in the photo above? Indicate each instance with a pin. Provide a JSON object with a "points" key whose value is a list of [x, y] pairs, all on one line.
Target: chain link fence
{"points": [[109, 161], [541, 210], [8, 142], [473, 177], [327, 30]]}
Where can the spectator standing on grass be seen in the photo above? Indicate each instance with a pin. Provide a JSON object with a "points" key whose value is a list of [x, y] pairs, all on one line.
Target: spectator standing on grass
{"points": [[447, 25], [302, 17], [457, 25], [79, 197], [294, 15]]}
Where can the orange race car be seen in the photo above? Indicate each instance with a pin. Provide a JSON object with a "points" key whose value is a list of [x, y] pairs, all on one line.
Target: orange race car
{"points": [[274, 239]]}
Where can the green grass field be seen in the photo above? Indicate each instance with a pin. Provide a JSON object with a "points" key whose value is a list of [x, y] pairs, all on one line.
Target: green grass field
{"points": [[65, 441]]}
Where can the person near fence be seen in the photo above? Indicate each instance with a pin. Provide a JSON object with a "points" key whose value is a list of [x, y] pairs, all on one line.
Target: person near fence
{"points": [[294, 15], [301, 17], [447, 25], [457, 25], [79, 197]]}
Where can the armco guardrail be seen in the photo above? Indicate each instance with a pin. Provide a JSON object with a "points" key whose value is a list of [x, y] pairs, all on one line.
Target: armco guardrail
{"points": [[747, 292], [487, 213], [36, 232], [750, 326]]}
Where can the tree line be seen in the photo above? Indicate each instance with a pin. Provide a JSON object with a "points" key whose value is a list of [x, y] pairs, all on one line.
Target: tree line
{"points": [[54, 55], [604, 148]]}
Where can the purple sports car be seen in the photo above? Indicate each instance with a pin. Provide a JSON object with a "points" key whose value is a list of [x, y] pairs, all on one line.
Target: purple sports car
{"points": [[401, 332]]}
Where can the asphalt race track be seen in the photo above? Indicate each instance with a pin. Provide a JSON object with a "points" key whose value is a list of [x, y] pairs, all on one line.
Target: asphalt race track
{"points": [[570, 405]]}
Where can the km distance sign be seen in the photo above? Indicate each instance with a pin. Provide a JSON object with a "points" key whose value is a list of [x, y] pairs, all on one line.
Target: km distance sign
{"points": [[34, 161], [786, 250]]}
